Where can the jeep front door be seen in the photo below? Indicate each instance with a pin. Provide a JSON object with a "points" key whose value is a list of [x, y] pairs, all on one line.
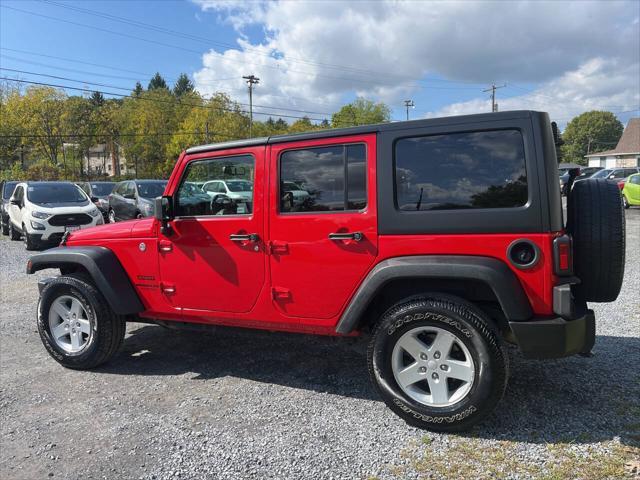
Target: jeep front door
{"points": [[213, 261], [323, 229]]}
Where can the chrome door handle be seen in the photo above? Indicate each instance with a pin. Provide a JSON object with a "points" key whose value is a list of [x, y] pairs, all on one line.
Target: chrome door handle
{"points": [[249, 237], [355, 236]]}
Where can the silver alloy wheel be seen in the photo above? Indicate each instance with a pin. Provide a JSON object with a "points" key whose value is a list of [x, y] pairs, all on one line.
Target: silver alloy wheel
{"points": [[112, 216], [70, 326], [433, 366]]}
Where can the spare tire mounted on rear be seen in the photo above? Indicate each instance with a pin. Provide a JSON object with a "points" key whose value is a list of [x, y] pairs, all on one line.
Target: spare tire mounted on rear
{"points": [[595, 220]]}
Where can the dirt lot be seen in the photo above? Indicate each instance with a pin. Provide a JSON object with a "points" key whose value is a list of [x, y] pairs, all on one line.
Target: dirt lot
{"points": [[249, 404]]}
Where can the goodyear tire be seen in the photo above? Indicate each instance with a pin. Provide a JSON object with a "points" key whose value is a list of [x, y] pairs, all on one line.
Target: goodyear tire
{"points": [[437, 363], [595, 219], [76, 325]]}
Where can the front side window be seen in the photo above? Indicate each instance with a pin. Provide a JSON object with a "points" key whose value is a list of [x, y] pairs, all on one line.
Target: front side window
{"points": [[202, 191], [323, 179], [461, 171]]}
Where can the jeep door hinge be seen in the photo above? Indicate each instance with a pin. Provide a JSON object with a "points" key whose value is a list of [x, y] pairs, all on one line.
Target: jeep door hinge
{"points": [[278, 248], [280, 293]]}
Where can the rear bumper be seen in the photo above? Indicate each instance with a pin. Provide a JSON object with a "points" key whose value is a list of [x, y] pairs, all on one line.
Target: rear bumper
{"points": [[555, 337]]}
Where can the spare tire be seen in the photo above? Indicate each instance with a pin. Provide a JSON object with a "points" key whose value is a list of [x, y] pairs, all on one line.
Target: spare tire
{"points": [[595, 220]]}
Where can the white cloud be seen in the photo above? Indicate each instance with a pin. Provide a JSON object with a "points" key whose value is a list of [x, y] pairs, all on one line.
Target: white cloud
{"points": [[597, 84], [316, 53]]}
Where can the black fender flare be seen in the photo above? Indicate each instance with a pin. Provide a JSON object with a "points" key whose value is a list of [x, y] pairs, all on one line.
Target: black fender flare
{"points": [[495, 273], [103, 266]]}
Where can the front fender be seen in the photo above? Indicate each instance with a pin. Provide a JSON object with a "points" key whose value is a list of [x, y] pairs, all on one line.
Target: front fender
{"points": [[103, 267], [496, 274]]}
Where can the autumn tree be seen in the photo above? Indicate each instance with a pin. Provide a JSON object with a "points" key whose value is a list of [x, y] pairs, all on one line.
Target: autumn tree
{"points": [[361, 112]]}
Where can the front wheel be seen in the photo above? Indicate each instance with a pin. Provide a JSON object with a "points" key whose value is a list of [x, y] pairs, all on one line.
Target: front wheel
{"points": [[112, 216], [5, 228], [76, 325], [437, 363], [625, 202]]}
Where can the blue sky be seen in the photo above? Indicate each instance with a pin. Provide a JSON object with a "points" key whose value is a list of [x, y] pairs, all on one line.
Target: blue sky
{"points": [[561, 57]]}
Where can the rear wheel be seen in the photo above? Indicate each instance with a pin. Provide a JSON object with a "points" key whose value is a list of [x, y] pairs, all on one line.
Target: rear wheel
{"points": [[437, 363], [13, 233], [76, 325]]}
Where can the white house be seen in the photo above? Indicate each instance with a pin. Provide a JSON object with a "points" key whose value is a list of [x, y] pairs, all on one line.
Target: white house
{"points": [[100, 161], [626, 153]]}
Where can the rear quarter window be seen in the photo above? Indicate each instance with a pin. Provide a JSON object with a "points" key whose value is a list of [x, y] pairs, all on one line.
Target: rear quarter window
{"points": [[466, 170]]}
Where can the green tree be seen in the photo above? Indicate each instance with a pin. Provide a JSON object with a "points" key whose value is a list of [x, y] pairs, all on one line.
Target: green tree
{"points": [[97, 99], [157, 82], [137, 91], [183, 85], [42, 109], [592, 132], [361, 112], [12, 125]]}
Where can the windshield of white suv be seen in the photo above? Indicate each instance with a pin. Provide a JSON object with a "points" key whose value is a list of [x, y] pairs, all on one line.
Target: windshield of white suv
{"points": [[151, 189], [239, 185], [55, 193]]}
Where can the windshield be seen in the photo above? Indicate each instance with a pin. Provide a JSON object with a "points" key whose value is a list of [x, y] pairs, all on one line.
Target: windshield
{"points": [[8, 189], [239, 185], [55, 193], [151, 189], [601, 174], [101, 189]]}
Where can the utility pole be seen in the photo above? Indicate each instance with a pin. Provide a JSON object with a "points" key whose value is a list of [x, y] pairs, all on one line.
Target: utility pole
{"points": [[409, 104], [22, 156], [492, 89], [251, 81]]}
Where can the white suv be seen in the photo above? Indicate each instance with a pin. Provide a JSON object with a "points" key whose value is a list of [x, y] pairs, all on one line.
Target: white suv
{"points": [[42, 211]]}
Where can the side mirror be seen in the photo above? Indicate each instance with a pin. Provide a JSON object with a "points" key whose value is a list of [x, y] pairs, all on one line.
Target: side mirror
{"points": [[94, 199], [163, 211], [15, 201], [130, 196], [612, 176]]}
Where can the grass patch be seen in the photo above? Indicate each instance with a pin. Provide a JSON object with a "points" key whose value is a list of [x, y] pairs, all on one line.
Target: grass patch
{"points": [[491, 459]]}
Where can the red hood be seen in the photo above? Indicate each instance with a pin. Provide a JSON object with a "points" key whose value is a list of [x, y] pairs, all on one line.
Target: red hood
{"points": [[128, 229]]}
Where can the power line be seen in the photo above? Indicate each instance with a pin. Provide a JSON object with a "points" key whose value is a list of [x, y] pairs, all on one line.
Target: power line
{"points": [[129, 89], [146, 75], [209, 41], [244, 63], [153, 99]]}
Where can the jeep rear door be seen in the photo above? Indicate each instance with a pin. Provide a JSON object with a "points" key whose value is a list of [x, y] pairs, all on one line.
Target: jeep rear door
{"points": [[323, 232]]}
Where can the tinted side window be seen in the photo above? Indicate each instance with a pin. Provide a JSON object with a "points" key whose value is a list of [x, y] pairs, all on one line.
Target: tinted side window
{"points": [[192, 200], [635, 179], [461, 170], [323, 179]]}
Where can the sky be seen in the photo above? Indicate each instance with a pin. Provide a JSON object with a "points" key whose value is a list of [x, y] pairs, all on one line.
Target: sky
{"points": [[314, 56]]}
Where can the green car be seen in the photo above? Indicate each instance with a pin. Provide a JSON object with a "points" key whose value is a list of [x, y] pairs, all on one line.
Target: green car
{"points": [[631, 191]]}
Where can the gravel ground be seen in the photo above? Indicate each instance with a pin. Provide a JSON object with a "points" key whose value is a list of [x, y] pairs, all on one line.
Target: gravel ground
{"points": [[251, 404]]}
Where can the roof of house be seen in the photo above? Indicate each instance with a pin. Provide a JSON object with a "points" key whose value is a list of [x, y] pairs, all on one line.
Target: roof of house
{"points": [[629, 142]]}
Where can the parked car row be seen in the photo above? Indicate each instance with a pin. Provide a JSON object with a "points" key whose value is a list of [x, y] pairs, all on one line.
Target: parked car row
{"points": [[619, 175]]}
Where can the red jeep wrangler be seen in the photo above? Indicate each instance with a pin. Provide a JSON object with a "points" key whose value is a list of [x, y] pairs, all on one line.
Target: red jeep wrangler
{"points": [[442, 239]]}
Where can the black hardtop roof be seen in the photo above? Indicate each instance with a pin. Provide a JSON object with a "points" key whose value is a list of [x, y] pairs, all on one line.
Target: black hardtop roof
{"points": [[375, 128]]}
